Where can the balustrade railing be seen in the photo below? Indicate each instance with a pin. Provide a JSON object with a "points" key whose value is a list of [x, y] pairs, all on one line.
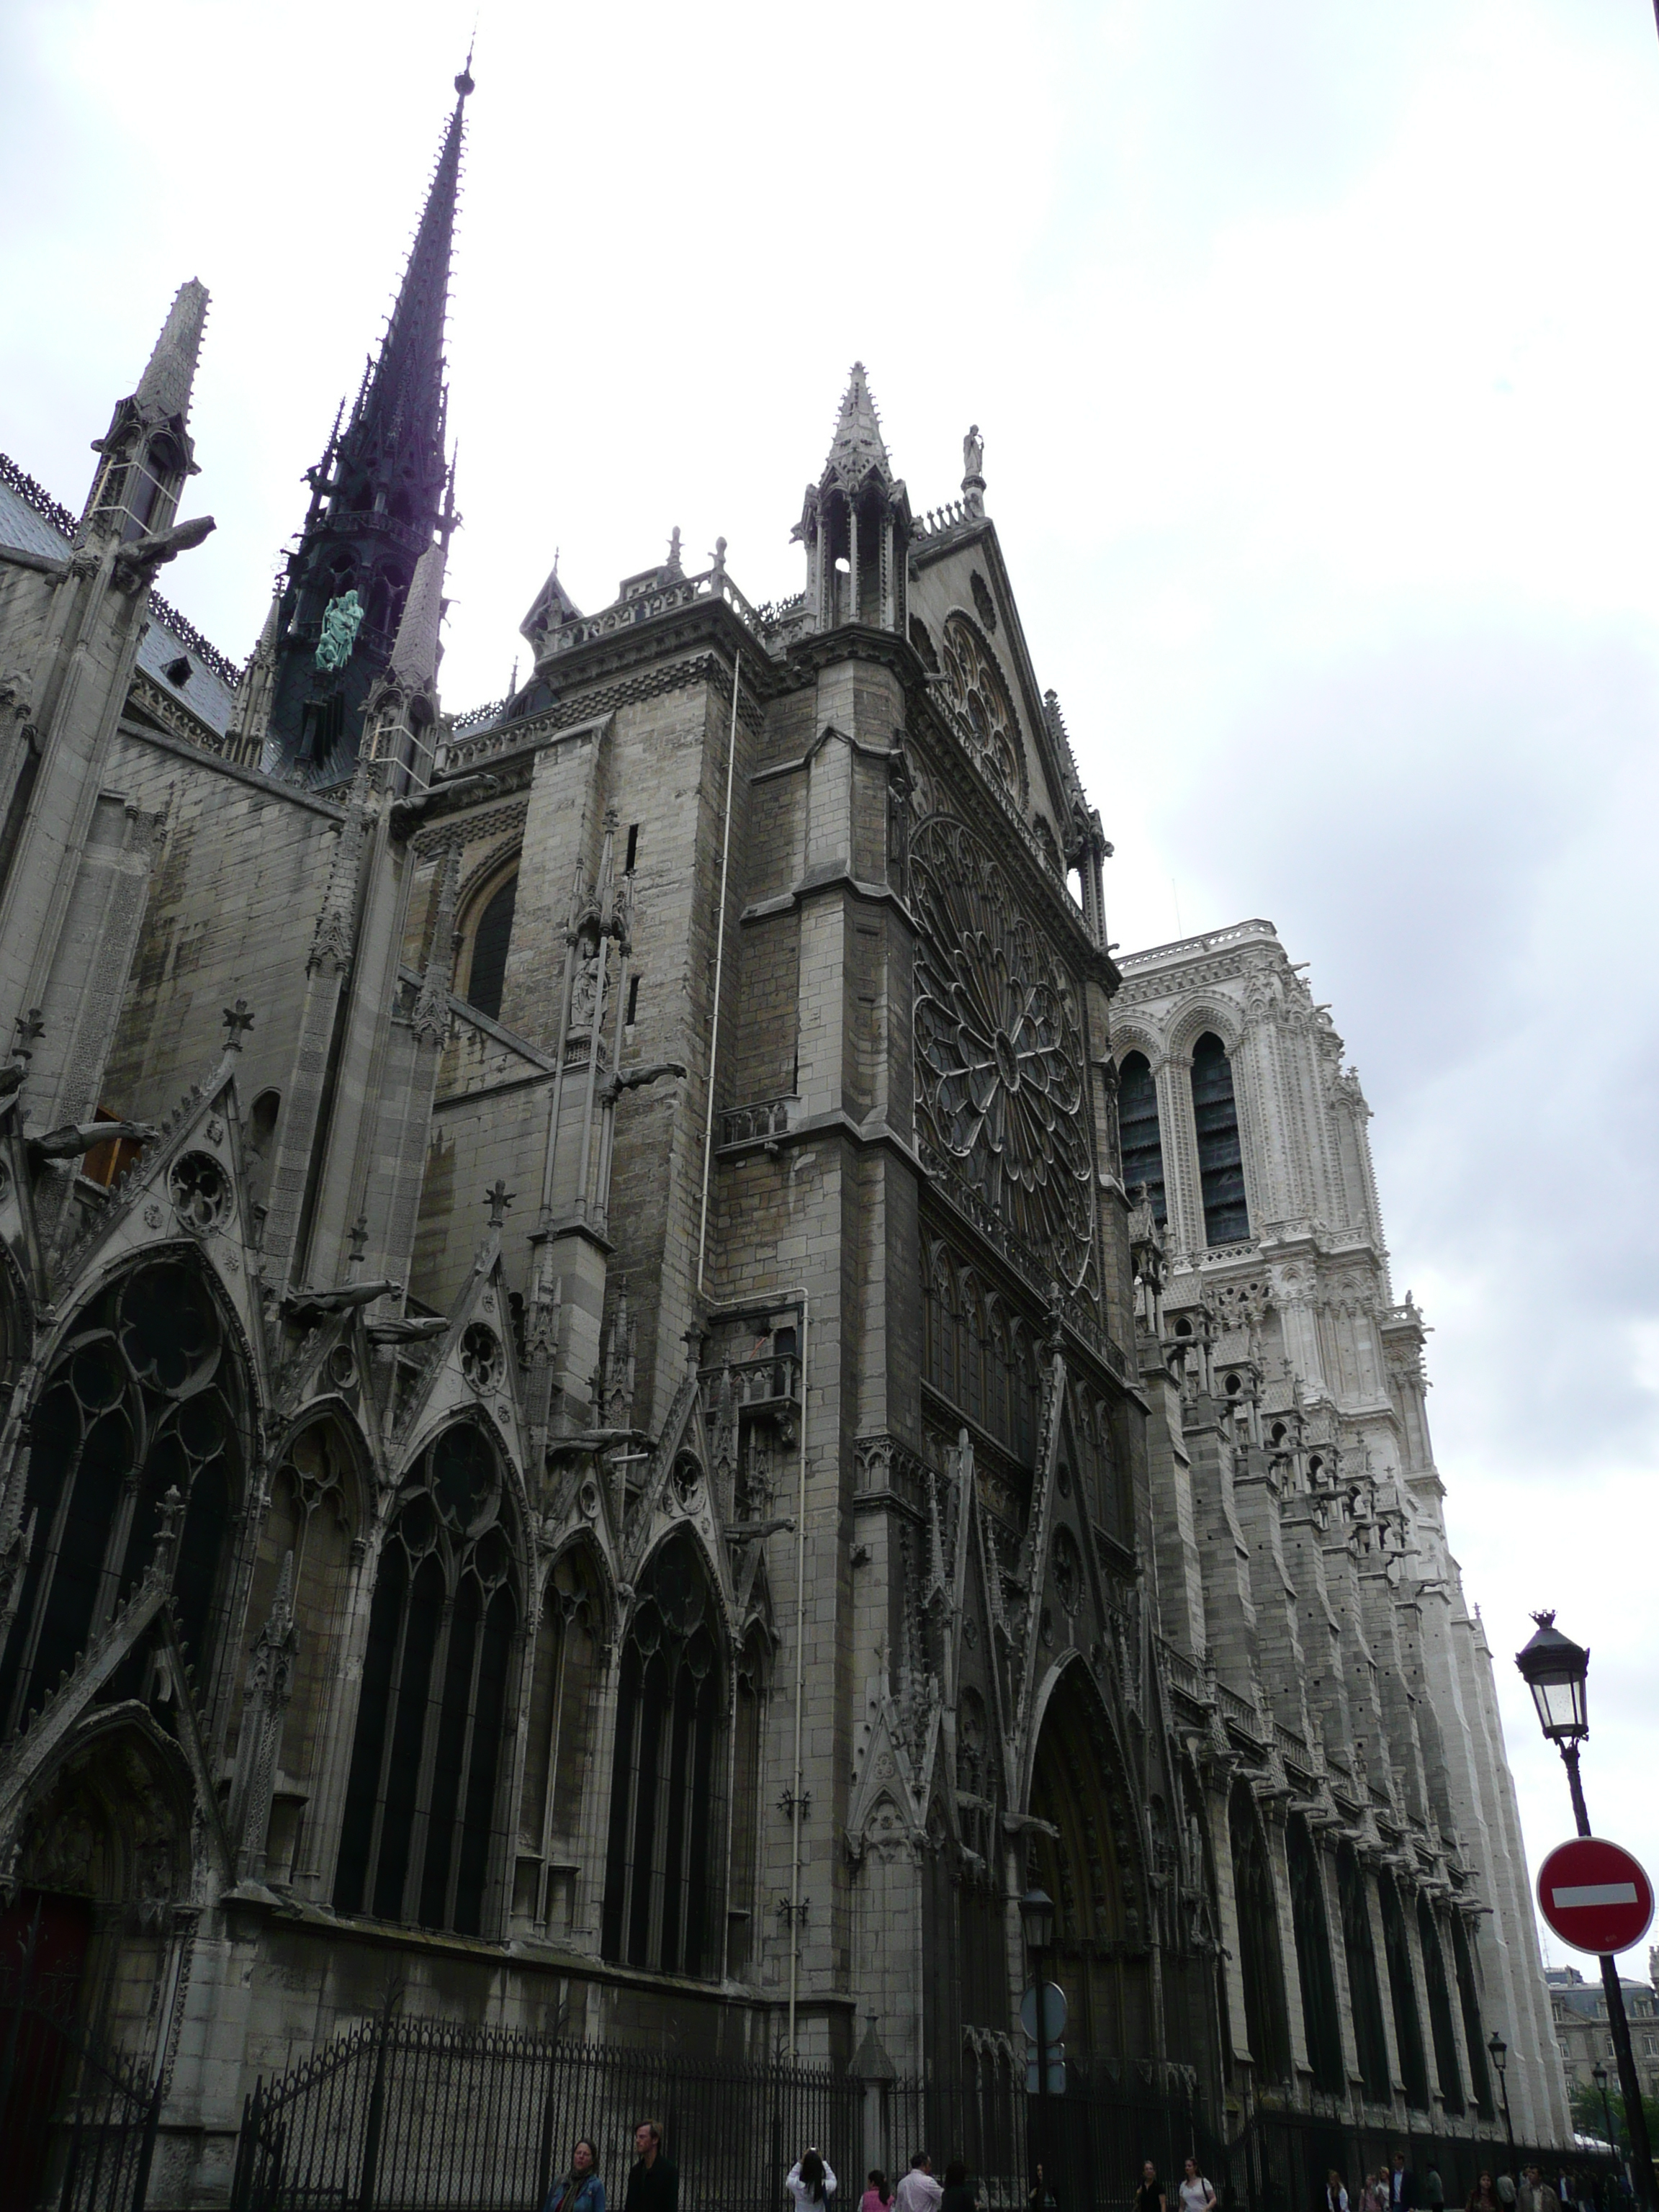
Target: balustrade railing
{"points": [[761, 1381], [767, 1117]]}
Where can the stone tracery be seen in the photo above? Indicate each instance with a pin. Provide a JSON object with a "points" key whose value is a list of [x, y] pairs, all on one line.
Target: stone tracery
{"points": [[1000, 1047], [980, 698]]}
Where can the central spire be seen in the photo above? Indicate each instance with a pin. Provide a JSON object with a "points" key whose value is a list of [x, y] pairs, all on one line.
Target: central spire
{"points": [[378, 502]]}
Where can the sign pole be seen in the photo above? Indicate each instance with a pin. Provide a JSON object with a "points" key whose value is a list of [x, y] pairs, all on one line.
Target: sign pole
{"points": [[1635, 2120]]}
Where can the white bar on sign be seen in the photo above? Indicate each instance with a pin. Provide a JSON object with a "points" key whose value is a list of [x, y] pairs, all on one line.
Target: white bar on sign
{"points": [[1595, 1892]]}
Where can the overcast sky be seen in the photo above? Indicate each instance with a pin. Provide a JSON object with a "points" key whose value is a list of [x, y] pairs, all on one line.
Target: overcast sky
{"points": [[1314, 346]]}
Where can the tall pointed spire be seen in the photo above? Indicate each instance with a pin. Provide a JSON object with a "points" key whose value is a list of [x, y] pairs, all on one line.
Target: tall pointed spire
{"points": [[857, 446], [165, 386], [378, 503]]}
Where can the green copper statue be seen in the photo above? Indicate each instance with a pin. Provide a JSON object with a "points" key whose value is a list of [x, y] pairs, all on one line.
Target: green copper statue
{"points": [[342, 620]]}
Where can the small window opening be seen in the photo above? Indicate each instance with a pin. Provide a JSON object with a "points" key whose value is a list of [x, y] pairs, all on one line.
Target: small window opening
{"points": [[632, 848], [633, 1000], [843, 565], [177, 671], [490, 940]]}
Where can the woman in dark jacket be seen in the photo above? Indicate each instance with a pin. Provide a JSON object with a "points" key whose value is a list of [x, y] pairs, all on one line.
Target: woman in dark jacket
{"points": [[579, 2189], [957, 2197]]}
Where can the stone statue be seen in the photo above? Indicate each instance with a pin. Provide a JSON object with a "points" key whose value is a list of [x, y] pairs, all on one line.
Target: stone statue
{"points": [[342, 620], [973, 453]]}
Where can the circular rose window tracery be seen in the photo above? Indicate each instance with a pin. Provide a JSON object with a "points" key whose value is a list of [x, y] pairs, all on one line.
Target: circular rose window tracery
{"points": [[999, 1052]]}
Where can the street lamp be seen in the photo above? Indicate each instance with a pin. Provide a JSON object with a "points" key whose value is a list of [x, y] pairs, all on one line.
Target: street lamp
{"points": [[1036, 1912], [1556, 1672], [1599, 2075], [1500, 2059]]}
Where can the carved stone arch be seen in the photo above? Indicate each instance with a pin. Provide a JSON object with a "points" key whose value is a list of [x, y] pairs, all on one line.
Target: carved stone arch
{"points": [[1089, 1854], [573, 1624], [1266, 2017], [147, 1386], [1198, 1014], [520, 1518], [1134, 1033], [484, 911]]}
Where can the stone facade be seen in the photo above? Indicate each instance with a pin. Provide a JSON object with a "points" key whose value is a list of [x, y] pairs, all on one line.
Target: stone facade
{"points": [[1579, 2009], [592, 1434]]}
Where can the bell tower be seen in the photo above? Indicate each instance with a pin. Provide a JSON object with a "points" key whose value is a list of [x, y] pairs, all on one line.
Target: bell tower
{"points": [[378, 500]]}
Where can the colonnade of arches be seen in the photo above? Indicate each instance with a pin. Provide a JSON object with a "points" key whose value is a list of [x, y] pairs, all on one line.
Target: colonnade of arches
{"points": [[403, 1786]]}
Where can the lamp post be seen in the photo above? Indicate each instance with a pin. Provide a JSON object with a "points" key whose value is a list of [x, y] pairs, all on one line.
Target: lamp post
{"points": [[1599, 2075], [1557, 1670], [1036, 1912], [1500, 2058]]}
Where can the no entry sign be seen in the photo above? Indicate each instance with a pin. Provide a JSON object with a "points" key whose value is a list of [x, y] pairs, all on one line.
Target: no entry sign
{"points": [[1594, 1895]]}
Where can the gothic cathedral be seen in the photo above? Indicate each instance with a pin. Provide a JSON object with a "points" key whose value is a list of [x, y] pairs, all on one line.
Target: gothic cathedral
{"points": [[637, 1380]]}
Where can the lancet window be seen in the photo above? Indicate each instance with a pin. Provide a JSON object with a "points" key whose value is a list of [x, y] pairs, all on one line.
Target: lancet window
{"points": [[146, 1396], [1313, 1961], [1364, 1988], [978, 1355], [1408, 2027], [1469, 2004], [1220, 1154], [658, 1883], [1267, 2024], [422, 1809], [492, 935], [1447, 2070], [1138, 1137]]}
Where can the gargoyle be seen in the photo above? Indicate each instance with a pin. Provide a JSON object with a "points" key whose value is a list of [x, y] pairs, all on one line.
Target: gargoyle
{"points": [[136, 563], [77, 1137]]}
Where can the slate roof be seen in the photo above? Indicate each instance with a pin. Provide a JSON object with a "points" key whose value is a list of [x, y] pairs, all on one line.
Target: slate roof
{"points": [[33, 522]]}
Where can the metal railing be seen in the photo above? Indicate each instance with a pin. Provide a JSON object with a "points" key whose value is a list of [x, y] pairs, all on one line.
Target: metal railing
{"points": [[426, 2114]]}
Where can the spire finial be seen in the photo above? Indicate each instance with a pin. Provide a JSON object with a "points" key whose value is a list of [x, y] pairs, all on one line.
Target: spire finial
{"points": [[858, 450], [463, 82], [164, 387]]}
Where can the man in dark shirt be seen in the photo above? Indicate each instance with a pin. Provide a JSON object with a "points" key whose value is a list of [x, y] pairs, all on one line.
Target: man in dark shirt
{"points": [[654, 2184], [1402, 2185]]}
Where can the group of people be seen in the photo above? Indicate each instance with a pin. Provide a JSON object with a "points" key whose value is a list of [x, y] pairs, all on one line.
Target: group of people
{"points": [[1396, 2188]]}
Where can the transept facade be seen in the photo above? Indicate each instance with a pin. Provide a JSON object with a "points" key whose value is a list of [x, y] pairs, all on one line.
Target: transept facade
{"points": [[640, 1383]]}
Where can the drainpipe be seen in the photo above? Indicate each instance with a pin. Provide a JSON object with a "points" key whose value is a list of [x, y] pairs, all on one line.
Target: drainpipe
{"points": [[800, 1684]]}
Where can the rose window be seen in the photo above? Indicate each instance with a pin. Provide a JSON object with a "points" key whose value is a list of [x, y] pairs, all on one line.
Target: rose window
{"points": [[980, 699], [1000, 1053], [199, 1190]]}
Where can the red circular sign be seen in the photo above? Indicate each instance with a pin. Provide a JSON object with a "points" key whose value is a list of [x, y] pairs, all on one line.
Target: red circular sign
{"points": [[1594, 1895]]}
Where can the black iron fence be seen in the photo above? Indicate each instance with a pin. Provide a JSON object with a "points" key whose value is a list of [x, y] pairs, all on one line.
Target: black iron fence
{"points": [[430, 2116], [77, 2121]]}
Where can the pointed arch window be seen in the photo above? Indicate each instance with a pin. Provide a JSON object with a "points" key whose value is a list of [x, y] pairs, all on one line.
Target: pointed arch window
{"points": [[659, 1893], [1407, 2026], [1313, 1959], [1220, 1154], [1139, 1136], [1447, 2070], [418, 1840], [146, 1397], [1470, 2004], [1370, 2040], [492, 935], [1266, 2022]]}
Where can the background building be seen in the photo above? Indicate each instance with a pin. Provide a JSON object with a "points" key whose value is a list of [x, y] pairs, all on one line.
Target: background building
{"points": [[593, 1434], [1579, 2010]]}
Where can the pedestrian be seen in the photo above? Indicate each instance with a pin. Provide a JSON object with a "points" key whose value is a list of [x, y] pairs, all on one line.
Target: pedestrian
{"points": [[1506, 2192], [957, 2197], [1535, 2195], [654, 2184], [579, 2189], [918, 2192], [1150, 2197], [1336, 2196], [1380, 2190], [1402, 2185], [1434, 2191], [810, 2180], [1195, 2193], [877, 2196], [1040, 2197], [1483, 2197]]}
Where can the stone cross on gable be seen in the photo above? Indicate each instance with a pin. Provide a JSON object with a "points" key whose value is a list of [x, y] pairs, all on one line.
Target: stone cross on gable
{"points": [[498, 1198], [30, 1029], [357, 1238], [237, 1020]]}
